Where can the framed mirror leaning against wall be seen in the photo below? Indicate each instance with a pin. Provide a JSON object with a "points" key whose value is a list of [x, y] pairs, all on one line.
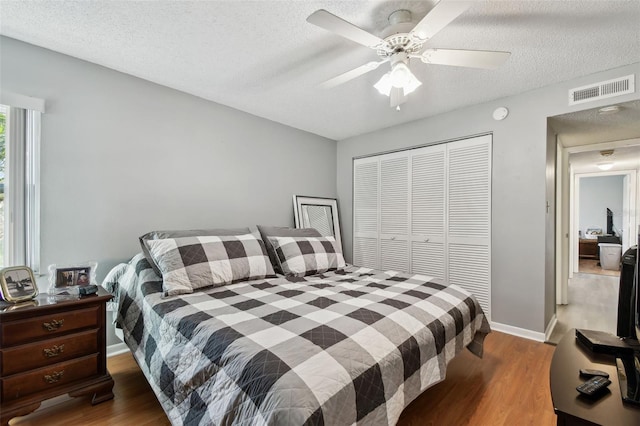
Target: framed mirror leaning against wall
{"points": [[319, 213]]}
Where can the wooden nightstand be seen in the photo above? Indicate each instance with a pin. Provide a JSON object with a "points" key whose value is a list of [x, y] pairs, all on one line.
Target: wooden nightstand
{"points": [[588, 249], [52, 346]]}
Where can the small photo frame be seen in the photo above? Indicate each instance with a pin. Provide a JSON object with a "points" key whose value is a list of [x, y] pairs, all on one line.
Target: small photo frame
{"points": [[17, 284], [64, 278]]}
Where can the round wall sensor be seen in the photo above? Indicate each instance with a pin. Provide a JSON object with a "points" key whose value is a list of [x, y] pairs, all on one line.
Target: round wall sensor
{"points": [[500, 113]]}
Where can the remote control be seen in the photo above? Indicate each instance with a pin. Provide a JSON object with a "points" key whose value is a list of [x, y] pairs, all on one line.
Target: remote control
{"points": [[594, 386], [586, 372]]}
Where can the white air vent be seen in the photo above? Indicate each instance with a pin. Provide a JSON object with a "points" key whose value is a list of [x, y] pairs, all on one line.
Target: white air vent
{"points": [[602, 90]]}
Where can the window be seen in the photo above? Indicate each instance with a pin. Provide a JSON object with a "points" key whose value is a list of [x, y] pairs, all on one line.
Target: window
{"points": [[3, 125], [19, 187]]}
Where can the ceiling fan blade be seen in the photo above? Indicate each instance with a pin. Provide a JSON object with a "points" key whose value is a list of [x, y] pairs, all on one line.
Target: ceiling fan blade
{"points": [[397, 97], [439, 17], [465, 58], [332, 23], [350, 75]]}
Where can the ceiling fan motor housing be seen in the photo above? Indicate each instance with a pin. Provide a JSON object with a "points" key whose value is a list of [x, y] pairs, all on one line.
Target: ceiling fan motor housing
{"points": [[399, 38]]}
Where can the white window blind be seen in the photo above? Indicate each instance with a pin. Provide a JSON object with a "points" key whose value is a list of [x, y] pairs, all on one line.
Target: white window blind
{"points": [[21, 204]]}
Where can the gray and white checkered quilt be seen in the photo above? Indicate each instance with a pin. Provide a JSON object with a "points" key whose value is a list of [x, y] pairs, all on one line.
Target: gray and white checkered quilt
{"points": [[345, 347]]}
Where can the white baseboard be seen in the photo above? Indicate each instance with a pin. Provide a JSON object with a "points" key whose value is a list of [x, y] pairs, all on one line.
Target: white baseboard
{"points": [[517, 331], [117, 349], [550, 327]]}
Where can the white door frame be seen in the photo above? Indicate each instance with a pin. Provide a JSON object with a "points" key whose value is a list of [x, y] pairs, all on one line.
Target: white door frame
{"points": [[628, 219], [565, 236]]}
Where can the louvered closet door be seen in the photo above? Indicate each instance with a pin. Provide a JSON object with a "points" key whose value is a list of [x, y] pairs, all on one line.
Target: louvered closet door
{"points": [[394, 212], [428, 186], [469, 217], [366, 212]]}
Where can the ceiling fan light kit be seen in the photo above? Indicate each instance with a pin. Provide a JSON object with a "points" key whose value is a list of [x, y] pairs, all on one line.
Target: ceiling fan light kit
{"points": [[400, 77], [403, 43], [407, 82]]}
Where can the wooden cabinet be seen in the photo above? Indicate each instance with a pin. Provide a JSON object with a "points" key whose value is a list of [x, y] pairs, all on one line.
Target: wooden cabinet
{"points": [[52, 346], [588, 249]]}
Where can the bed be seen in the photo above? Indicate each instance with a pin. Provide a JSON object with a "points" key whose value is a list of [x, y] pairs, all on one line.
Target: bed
{"points": [[348, 346]]}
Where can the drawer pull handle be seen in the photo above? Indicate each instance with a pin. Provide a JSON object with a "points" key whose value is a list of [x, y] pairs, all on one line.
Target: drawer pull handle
{"points": [[53, 325], [54, 351], [54, 377]]}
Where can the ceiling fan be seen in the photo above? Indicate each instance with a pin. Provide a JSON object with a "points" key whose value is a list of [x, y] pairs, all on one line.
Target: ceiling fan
{"points": [[402, 43]]}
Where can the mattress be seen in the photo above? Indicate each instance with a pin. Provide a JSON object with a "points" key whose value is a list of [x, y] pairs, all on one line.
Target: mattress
{"points": [[354, 346]]}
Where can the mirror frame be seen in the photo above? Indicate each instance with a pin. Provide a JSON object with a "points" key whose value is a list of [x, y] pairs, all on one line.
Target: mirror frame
{"points": [[300, 200]]}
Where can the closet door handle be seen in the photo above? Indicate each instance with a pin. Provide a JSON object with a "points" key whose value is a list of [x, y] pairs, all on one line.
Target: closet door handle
{"points": [[426, 240], [393, 238]]}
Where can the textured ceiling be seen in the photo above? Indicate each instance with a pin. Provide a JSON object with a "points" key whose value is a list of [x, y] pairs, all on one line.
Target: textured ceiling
{"points": [[262, 57], [626, 158], [589, 126], [620, 130]]}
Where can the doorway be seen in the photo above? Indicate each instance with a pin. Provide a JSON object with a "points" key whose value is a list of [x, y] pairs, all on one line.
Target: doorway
{"points": [[601, 214], [584, 299]]}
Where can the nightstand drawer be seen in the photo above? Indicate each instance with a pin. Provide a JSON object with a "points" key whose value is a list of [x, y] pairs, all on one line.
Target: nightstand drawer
{"points": [[47, 352], [28, 330], [19, 385]]}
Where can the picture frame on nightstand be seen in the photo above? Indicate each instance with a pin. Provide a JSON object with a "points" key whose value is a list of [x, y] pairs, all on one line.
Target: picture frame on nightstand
{"points": [[17, 284], [67, 278]]}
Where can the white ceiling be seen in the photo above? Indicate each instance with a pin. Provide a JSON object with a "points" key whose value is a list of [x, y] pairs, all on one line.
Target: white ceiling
{"points": [[591, 126], [625, 158], [262, 57], [586, 133]]}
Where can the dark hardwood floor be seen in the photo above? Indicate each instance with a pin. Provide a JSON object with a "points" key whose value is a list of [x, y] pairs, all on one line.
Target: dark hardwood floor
{"points": [[509, 386]]}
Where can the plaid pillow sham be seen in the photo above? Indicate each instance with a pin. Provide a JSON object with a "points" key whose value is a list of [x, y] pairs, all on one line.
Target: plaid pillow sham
{"points": [[190, 263], [282, 231], [159, 235], [301, 256]]}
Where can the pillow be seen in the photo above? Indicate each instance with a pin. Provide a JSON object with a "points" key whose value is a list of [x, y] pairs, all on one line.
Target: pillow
{"points": [[158, 235], [282, 231], [190, 263], [300, 256]]}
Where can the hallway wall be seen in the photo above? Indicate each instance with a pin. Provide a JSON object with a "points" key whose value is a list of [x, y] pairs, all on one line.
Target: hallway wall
{"points": [[597, 193]]}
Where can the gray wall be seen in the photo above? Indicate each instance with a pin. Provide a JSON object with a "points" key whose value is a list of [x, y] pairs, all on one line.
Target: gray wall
{"points": [[596, 194], [122, 156], [519, 185]]}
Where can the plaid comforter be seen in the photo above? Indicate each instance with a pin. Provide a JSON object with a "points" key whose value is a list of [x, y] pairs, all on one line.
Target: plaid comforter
{"points": [[354, 346]]}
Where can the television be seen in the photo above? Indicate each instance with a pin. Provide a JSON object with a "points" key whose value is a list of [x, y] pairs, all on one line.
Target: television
{"points": [[628, 366], [627, 295], [610, 222]]}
